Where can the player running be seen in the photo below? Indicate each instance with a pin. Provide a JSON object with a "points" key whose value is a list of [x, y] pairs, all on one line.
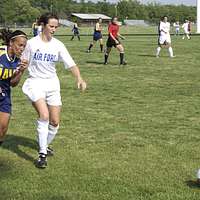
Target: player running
{"points": [[97, 36], [11, 70], [113, 41], [42, 86], [75, 31], [186, 28], [164, 40]]}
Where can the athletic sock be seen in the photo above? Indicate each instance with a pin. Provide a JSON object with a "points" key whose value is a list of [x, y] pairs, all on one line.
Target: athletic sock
{"points": [[72, 38], [158, 51], [101, 47], [171, 52], [42, 129], [91, 45], [121, 55], [52, 133], [105, 58], [79, 38]]}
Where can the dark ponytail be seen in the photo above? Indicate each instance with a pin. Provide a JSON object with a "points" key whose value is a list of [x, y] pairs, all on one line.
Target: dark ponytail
{"points": [[7, 35]]}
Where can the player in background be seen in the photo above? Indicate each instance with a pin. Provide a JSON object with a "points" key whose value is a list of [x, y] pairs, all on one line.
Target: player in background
{"points": [[11, 70], [164, 39], [97, 36], [75, 31], [35, 28], [186, 31], [113, 41], [42, 86], [177, 28], [190, 28]]}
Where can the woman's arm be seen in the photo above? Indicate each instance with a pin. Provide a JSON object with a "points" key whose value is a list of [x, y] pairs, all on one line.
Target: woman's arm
{"points": [[18, 73], [81, 84]]}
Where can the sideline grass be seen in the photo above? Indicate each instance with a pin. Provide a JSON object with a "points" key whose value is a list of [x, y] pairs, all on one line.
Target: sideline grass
{"points": [[134, 134]]}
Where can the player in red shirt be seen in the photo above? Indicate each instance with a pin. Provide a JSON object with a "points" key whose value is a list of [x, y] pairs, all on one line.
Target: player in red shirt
{"points": [[113, 31]]}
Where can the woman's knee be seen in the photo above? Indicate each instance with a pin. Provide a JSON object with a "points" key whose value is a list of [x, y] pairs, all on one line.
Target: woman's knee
{"points": [[3, 130], [54, 122]]}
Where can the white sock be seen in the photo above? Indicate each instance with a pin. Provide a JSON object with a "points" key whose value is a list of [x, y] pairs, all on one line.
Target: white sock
{"points": [[171, 52], [42, 129], [52, 133], [158, 51]]}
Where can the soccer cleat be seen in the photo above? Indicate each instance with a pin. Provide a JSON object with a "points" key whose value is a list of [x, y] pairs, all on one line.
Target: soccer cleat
{"points": [[105, 63], [50, 151], [42, 161], [172, 56], [123, 63], [88, 51]]}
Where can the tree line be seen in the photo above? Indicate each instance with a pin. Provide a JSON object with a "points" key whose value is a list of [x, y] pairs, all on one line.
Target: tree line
{"points": [[26, 11]]}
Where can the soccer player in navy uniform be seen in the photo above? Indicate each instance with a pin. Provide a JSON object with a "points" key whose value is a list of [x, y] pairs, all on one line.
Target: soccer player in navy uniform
{"points": [[113, 41], [11, 70], [75, 31], [97, 36]]}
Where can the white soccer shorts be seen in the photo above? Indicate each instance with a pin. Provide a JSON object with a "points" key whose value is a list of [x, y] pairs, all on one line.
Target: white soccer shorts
{"points": [[164, 39], [48, 89]]}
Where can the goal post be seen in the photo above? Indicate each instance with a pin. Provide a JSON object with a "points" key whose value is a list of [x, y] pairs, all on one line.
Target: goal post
{"points": [[198, 16]]}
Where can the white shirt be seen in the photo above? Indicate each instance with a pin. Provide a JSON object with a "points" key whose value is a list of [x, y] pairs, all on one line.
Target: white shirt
{"points": [[164, 28], [177, 26], [42, 57], [185, 26]]}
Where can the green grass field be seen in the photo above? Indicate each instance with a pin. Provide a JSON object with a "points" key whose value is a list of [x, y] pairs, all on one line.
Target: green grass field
{"points": [[133, 135]]}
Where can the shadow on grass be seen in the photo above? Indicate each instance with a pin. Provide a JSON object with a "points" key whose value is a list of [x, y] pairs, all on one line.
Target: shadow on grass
{"points": [[147, 55], [5, 168], [95, 62], [13, 143], [193, 184]]}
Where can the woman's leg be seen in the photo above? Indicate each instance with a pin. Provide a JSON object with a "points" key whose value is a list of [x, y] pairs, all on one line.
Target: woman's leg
{"points": [[54, 120], [42, 124], [91, 45], [101, 44], [120, 48], [4, 122], [107, 52]]}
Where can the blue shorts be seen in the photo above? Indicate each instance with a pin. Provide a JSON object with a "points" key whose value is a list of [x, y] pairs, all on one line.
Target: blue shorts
{"points": [[5, 103], [97, 36]]}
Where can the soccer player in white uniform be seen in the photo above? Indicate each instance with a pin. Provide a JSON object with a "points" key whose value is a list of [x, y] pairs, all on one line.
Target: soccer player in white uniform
{"points": [[164, 40], [177, 27], [185, 27], [42, 86]]}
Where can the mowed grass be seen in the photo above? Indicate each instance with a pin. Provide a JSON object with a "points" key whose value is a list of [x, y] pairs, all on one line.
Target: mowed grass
{"points": [[133, 135]]}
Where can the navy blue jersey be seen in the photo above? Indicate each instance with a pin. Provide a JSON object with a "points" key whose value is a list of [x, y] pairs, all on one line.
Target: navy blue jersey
{"points": [[7, 68]]}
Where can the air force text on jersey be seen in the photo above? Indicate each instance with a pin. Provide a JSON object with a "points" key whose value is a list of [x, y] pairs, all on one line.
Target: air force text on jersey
{"points": [[46, 57]]}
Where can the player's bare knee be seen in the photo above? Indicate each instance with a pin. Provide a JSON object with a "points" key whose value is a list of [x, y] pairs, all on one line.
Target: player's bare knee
{"points": [[44, 116], [3, 130], [54, 123]]}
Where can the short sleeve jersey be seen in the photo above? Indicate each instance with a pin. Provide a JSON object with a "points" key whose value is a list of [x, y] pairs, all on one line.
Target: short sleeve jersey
{"points": [[164, 27], [7, 69], [113, 29], [42, 57]]}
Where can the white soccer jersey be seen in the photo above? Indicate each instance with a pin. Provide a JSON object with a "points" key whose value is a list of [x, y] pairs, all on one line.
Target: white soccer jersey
{"points": [[42, 57], [164, 28], [185, 27], [164, 33]]}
